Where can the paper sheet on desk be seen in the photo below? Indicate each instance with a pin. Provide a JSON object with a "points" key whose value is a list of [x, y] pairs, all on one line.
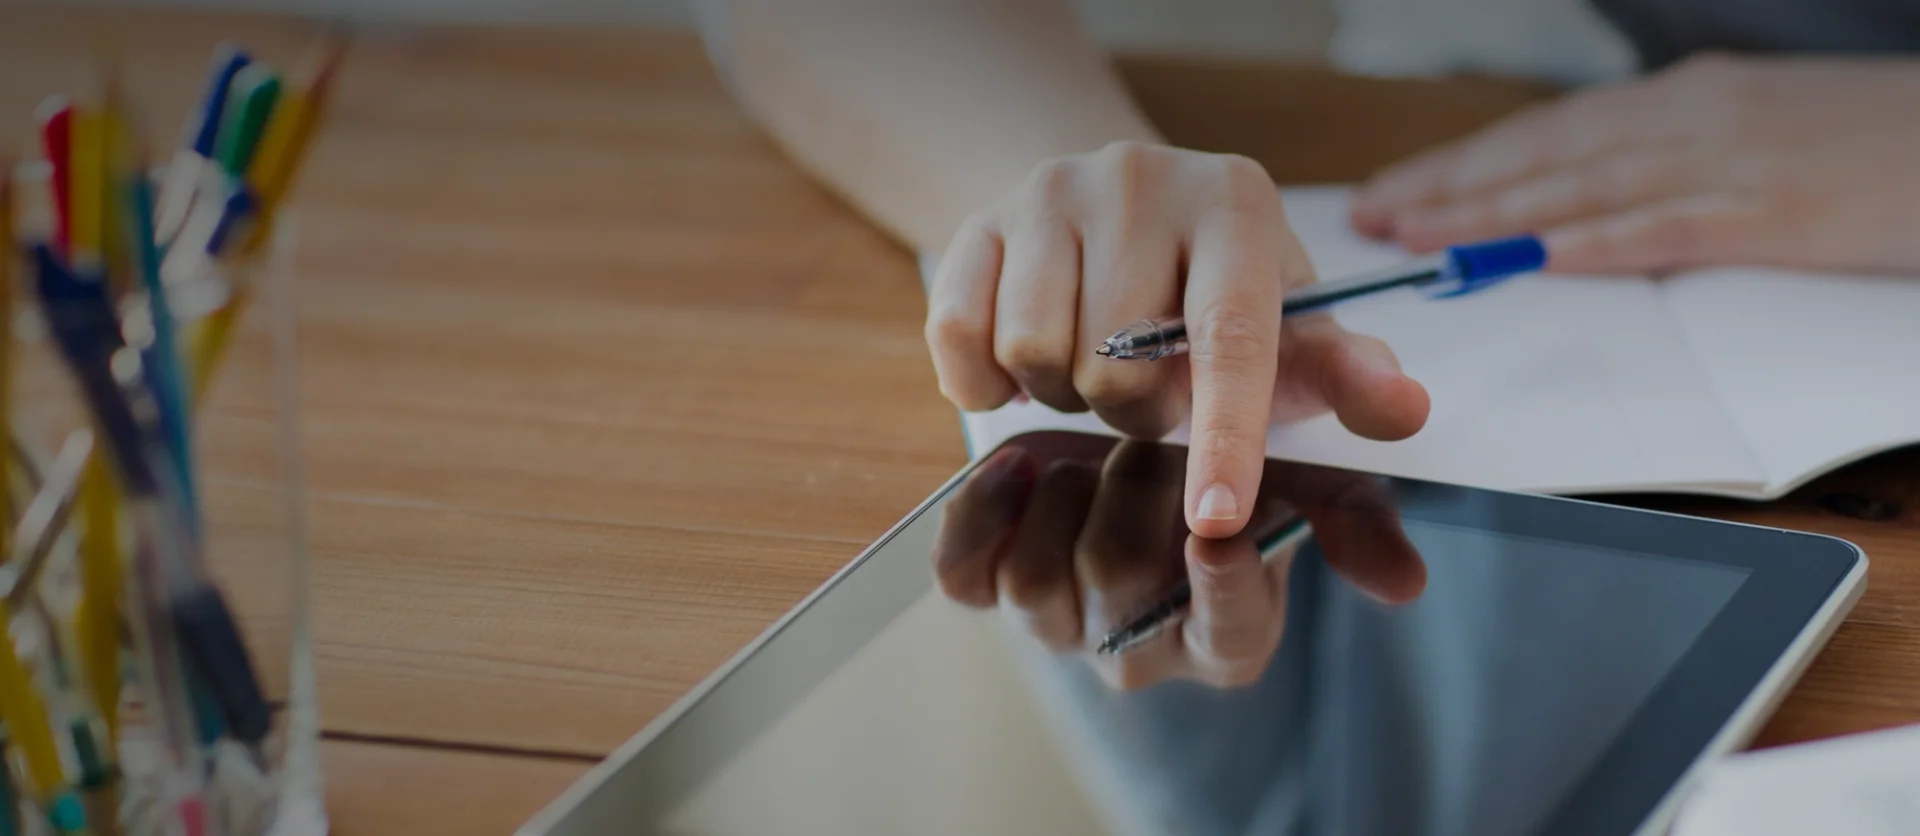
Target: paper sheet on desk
{"points": [[1858, 785]]}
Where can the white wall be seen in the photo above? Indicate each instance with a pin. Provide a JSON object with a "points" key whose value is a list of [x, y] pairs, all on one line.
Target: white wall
{"points": [[1260, 27]]}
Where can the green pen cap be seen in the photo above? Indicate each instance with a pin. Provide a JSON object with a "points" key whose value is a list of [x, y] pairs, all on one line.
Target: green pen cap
{"points": [[250, 101]]}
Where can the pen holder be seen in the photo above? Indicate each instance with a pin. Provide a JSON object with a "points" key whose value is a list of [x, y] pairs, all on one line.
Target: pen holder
{"points": [[246, 488]]}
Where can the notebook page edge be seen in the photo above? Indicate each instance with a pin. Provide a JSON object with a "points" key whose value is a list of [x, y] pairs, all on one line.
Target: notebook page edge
{"points": [[1882, 417]]}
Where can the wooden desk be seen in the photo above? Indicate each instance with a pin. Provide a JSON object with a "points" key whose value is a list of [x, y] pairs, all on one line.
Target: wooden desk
{"points": [[562, 460]]}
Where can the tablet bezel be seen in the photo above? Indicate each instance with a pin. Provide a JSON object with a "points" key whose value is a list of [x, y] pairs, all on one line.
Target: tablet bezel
{"points": [[1799, 587]]}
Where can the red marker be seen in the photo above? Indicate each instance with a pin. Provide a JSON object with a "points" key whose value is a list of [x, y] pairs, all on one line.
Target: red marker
{"points": [[56, 140]]}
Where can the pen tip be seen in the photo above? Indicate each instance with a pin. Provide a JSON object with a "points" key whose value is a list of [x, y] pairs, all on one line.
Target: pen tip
{"points": [[1105, 350]]}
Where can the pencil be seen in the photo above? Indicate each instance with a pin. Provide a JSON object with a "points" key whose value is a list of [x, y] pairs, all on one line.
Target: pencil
{"points": [[97, 619], [283, 144], [28, 722]]}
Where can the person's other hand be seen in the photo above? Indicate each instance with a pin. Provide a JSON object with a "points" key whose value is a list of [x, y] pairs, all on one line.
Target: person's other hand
{"points": [[1793, 163], [1093, 243], [1081, 548]]}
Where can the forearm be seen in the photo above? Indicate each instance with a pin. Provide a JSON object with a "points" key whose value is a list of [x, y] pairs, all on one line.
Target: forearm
{"points": [[920, 111]]}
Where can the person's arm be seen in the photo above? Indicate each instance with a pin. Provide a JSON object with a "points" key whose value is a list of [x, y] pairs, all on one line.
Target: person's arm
{"points": [[920, 112], [994, 133]]}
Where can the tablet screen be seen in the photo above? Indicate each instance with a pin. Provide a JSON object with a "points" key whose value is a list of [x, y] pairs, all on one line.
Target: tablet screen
{"points": [[1424, 662]]}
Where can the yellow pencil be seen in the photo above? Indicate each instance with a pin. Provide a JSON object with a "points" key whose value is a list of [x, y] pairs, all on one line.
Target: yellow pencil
{"points": [[284, 141], [116, 158], [210, 337], [28, 722], [97, 619]]}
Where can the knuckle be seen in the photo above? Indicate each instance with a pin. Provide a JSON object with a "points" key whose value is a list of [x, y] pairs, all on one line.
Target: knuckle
{"points": [[1050, 186], [1114, 388], [954, 333], [1132, 167], [1230, 335], [971, 396], [1027, 355], [1025, 585], [1246, 187]]}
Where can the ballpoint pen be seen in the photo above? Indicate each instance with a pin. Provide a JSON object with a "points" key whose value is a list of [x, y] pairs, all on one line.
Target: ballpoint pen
{"points": [[1456, 271], [256, 89], [196, 149], [221, 199]]}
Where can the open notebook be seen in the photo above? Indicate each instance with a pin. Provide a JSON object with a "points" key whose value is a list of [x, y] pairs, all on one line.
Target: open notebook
{"points": [[1735, 382]]}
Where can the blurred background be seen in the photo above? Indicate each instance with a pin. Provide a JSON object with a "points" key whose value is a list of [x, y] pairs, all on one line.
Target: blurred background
{"points": [[1263, 27]]}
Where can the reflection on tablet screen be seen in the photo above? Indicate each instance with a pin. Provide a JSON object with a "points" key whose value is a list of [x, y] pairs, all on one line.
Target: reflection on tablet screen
{"points": [[1473, 709]]}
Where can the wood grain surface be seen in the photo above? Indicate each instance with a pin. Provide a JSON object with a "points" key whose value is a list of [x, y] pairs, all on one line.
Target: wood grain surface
{"points": [[595, 384]]}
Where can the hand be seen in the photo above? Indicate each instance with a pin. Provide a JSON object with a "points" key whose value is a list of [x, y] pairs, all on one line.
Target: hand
{"points": [[1092, 243], [1791, 163], [1078, 547]]}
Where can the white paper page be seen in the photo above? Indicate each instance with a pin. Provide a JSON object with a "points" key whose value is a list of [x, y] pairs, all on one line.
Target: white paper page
{"points": [[1865, 784], [1816, 370], [1545, 383]]}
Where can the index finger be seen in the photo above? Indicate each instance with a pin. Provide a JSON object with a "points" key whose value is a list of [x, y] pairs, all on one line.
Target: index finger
{"points": [[1237, 609], [1242, 256]]}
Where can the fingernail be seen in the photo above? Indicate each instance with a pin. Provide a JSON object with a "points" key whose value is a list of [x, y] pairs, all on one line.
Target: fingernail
{"points": [[1217, 503]]}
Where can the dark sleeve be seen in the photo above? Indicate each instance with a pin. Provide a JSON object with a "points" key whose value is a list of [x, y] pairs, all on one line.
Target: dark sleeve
{"points": [[1666, 31]]}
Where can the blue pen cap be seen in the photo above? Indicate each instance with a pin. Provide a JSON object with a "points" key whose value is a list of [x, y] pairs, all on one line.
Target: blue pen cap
{"points": [[228, 60], [1473, 267]]}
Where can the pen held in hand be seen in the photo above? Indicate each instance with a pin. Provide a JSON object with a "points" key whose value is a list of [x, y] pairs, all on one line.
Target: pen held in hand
{"points": [[1457, 271]]}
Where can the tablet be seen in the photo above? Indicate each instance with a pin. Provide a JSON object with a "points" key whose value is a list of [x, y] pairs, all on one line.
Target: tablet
{"points": [[1417, 658]]}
